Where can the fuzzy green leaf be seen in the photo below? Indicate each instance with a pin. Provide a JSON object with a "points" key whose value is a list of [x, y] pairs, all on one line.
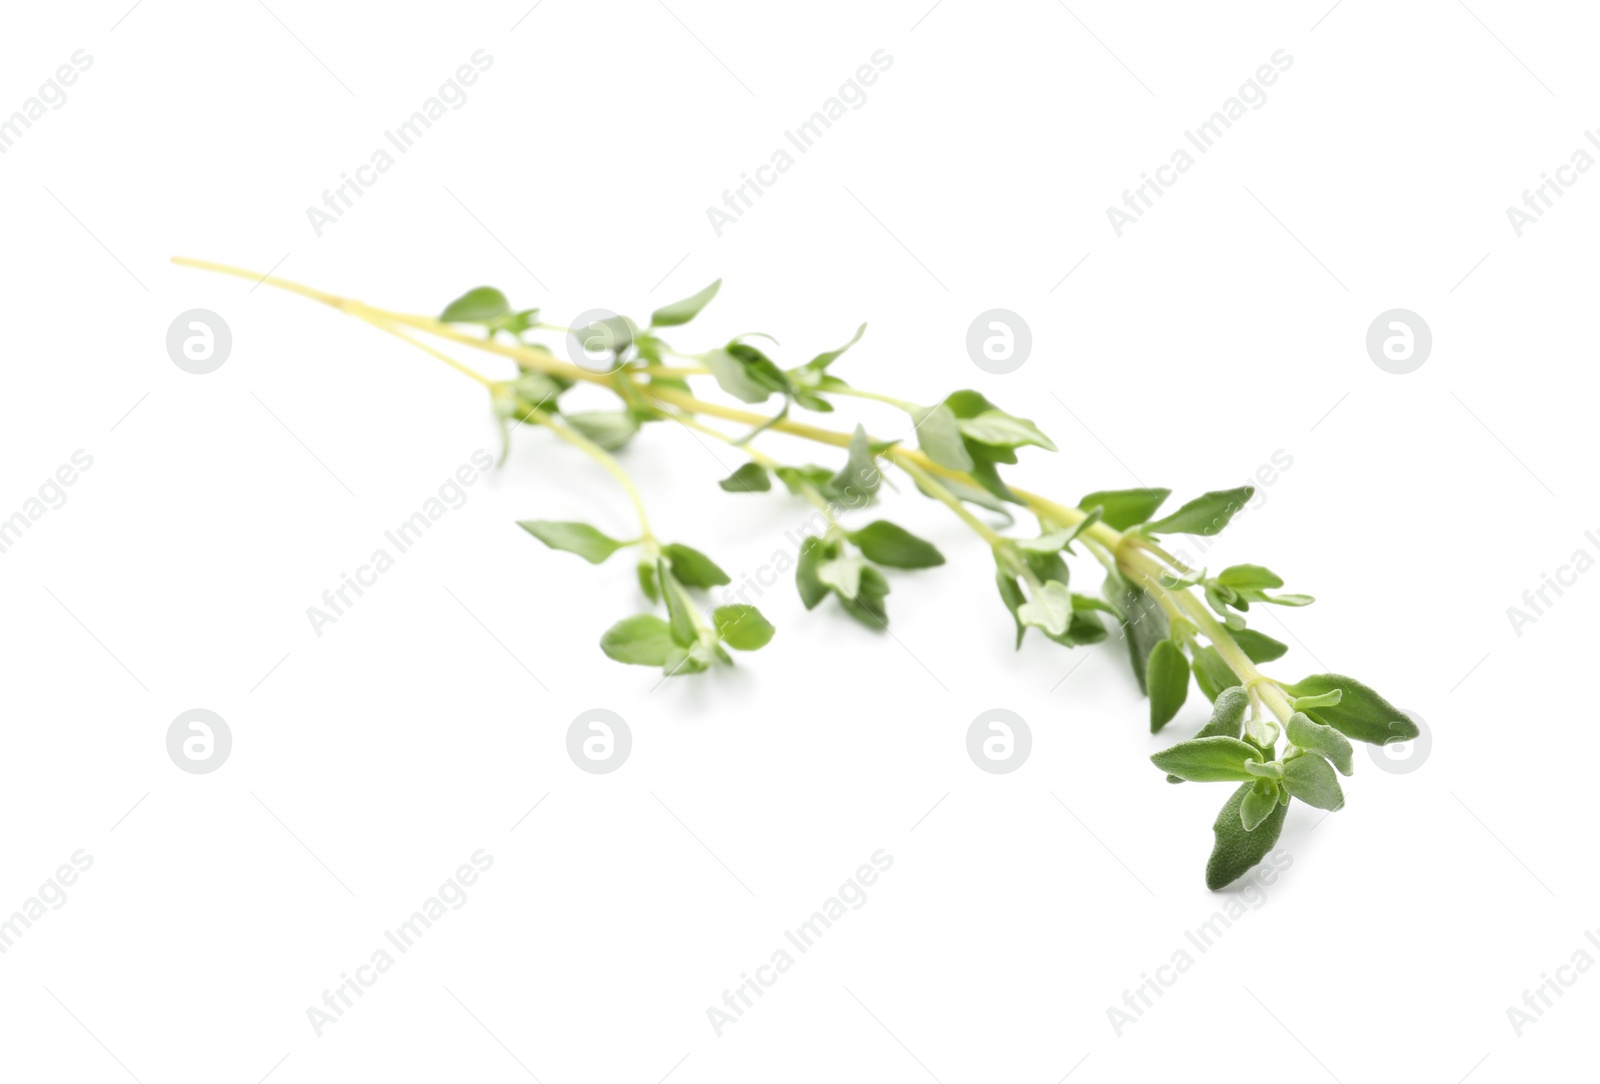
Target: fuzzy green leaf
{"points": [[1259, 804], [1236, 851], [812, 589], [733, 377], [611, 429], [681, 312], [889, 544], [647, 581], [1001, 430], [693, 568], [1050, 608], [860, 478], [742, 627], [1320, 739], [1249, 578], [1208, 760], [939, 435], [641, 640], [1227, 714], [579, 538], [750, 478], [822, 361], [1207, 514], [1124, 508], [1144, 624], [1258, 646], [1212, 674], [1168, 677], [868, 607], [679, 618], [480, 306], [1360, 714], [1311, 779]]}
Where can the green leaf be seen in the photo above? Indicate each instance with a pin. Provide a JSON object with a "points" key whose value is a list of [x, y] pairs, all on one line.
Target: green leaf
{"points": [[1248, 578], [822, 361], [1168, 676], [579, 538], [868, 607], [1258, 646], [796, 479], [679, 617], [1322, 700], [1236, 851], [693, 568], [647, 581], [641, 640], [1311, 779], [1227, 714], [842, 575], [967, 403], [611, 429], [1208, 760], [1360, 714], [691, 659], [681, 312], [1207, 514], [537, 392], [939, 435], [1124, 508], [1266, 770], [1001, 430], [1011, 594], [1144, 624], [1258, 805], [1211, 673], [742, 627], [812, 589], [860, 478], [1322, 740], [480, 306], [888, 544], [733, 377], [750, 478], [1286, 600], [1050, 608]]}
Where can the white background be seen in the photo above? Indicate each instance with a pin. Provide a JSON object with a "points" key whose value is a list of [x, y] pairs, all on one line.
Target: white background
{"points": [[370, 762]]}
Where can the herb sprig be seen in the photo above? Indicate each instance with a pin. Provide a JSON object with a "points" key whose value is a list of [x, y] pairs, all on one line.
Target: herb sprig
{"points": [[1275, 740]]}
